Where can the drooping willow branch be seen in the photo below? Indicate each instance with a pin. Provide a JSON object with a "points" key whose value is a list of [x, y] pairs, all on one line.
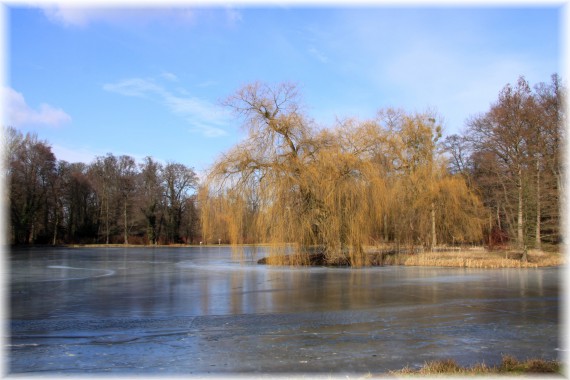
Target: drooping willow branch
{"points": [[332, 191]]}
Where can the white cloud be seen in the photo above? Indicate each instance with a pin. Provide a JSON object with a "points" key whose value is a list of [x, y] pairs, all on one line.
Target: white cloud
{"points": [[233, 16], [74, 154], [134, 87], [81, 16], [78, 17], [20, 113], [203, 116], [87, 155], [458, 84], [208, 83], [318, 54], [169, 76], [207, 130]]}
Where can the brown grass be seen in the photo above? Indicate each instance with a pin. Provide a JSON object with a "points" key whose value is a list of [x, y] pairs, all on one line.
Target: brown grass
{"points": [[484, 259], [477, 257], [509, 366]]}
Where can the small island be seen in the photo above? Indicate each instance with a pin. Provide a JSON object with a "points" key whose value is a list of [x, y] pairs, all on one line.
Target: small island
{"points": [[476, 257]]}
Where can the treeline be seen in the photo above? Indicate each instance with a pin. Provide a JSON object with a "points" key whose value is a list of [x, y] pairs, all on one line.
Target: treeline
{"points": [[513, 156], [391, 180], [112, 200]]}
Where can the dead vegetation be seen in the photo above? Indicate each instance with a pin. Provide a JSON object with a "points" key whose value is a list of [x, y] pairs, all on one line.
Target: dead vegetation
{"points": [[509, 366], [484, 259], [466, 258]]}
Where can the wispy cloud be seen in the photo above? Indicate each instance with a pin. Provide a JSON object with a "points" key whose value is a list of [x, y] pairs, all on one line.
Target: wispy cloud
{"points": [[74, 154], [19, 113], [233, 16], [450, 60], [134, 87], [81, 16], [87, 154], [441, 81], [208, 83], [318, 54], [169, 76], [203, 116]]}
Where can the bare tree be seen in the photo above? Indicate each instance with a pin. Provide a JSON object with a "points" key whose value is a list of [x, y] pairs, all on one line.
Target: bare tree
{"points": [[505, 132], [31, 169], [126, 186], [80, 207], [178, 182], [550, 137], [103, 174], [151, 198], [516, 159]]}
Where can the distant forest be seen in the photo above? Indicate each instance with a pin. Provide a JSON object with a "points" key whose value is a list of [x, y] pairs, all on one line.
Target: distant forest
{"points": [[392, 180], [112, 200]]}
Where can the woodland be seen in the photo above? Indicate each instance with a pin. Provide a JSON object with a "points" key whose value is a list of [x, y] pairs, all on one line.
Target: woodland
{"points": [[395, 180]]}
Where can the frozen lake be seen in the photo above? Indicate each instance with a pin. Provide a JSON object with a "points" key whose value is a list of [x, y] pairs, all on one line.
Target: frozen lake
{"points": [[152, 311]]}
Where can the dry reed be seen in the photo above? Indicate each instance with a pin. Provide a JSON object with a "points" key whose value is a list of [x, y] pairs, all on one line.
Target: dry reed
{"points": [[483, 259], [509, 366]]}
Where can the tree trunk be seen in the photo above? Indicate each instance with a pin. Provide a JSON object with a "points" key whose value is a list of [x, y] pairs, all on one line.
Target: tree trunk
{"points": [[107, 221], [159, 230], [490, 228], [499, 217], [126, 232], [537, 243], [31, 232], [433, 234], [55, 228], [520, 236]]}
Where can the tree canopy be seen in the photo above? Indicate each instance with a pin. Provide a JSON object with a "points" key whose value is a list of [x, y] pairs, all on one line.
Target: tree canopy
{"points": [[391, 181], [111, 200], [336, 190]]}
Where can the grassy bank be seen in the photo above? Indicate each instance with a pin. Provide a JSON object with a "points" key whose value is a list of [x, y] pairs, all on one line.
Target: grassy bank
{"points": [[509, 366], [466, 258], [120, 245], [478, 258]]}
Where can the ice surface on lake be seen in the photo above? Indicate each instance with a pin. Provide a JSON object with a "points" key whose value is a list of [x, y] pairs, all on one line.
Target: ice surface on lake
{"points": [[202, 310]]}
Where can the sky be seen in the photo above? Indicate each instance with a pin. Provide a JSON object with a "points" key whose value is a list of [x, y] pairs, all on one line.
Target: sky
{"points": [[145, 81]]}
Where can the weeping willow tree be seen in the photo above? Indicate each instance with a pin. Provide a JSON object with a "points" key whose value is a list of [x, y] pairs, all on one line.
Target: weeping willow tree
{"points": [[428, 205], [305, 188], [331, 191], [266, 168], [350, 190]]}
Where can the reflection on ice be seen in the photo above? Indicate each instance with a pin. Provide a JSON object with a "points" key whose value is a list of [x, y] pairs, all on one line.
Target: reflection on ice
{"points": [[450, 279], [66, 277]]}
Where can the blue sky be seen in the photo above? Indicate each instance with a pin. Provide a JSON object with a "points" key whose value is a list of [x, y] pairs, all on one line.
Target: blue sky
{"points": [[149, 81]]}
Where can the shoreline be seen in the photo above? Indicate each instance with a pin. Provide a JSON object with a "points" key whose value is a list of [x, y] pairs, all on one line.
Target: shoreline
{"points": [[476, 257]]}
